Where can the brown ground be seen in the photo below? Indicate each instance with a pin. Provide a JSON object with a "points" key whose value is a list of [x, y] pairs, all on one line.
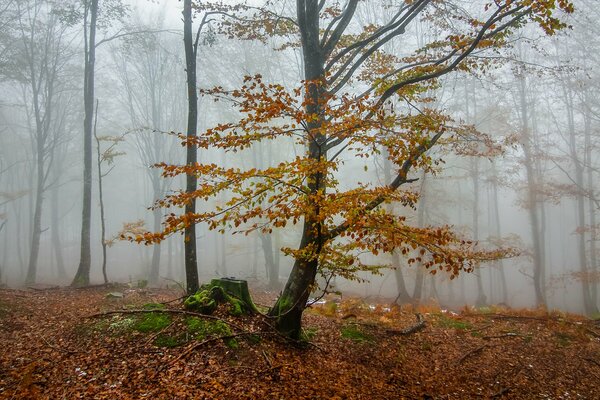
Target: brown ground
{"points": [[50, 349]]}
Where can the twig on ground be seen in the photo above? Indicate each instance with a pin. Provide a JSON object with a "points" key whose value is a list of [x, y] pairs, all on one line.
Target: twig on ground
{"points": [[501, 392], [174, 300], [591, 360], [58, 348], [479, 329], [509, 334], [152, 337], [470, 353], [411, 329]]}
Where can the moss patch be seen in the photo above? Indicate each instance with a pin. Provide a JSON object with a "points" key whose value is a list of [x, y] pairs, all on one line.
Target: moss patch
{"points": [[356, 334], [446, 322], [202, 329], [152, 322]]}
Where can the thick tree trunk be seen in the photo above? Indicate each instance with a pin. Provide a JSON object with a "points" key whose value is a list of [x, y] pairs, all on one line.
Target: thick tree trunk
{"points": [[191, 263], [292, 302], [82, 277]]}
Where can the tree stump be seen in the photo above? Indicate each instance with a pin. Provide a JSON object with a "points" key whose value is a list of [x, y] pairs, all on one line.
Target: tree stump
{"points": [[222, 291]]}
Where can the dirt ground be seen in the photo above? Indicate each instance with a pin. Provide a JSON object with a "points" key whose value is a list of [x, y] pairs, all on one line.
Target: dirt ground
{"points": [[54, 345]]}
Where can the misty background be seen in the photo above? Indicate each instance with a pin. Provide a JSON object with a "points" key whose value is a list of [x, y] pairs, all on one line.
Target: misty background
{"points": [[540, 99]]}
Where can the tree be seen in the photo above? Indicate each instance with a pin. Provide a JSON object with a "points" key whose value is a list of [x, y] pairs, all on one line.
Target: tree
{"points": [[191, 49], [37, 60], [112, 9], [82, 276], [337, 115]]}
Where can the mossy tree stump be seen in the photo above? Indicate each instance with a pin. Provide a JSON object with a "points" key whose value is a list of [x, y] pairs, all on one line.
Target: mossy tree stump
{"points": [[222, 291]]}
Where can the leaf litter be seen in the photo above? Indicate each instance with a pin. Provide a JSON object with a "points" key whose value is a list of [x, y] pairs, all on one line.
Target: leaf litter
{"points": [[70, 344]]}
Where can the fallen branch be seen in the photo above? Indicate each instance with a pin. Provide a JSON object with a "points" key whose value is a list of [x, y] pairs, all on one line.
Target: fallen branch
{"points": [[509, 334], [591, 360], [470, 353], [479, 329], [411, 329], [174, 300]]}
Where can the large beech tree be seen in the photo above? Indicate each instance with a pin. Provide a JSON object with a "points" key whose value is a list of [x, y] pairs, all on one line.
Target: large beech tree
{"points": [[339, 113]]}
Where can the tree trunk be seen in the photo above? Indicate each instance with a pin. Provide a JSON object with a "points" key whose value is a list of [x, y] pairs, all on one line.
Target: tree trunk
{"points": [[292, 302], [82, 277], [55, 235], [481, 297], [37, 215], [532, 203], [191, 263], [420, 278], [499, 265]]}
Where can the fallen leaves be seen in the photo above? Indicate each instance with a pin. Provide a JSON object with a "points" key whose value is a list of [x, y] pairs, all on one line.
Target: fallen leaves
{"points": [[51, 351]]}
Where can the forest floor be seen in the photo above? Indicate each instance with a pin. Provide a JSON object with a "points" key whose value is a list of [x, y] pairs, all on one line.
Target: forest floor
{"points": [[54, 345]]}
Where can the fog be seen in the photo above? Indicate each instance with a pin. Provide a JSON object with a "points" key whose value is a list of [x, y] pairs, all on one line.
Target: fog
{"points": [[528, 181]]}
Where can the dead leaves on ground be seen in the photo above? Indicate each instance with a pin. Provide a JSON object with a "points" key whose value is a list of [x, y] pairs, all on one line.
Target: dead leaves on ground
{"points": [[50, 351]]}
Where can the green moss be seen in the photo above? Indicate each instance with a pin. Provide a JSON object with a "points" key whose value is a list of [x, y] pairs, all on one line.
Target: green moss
{"points": [[253, 339], [354, 333], [309, 334], [201, 302], [446, 322], [232, 343], [152, 322], [236, 308], [563, 339], [153, 306], [168, 341], [201, 329]]}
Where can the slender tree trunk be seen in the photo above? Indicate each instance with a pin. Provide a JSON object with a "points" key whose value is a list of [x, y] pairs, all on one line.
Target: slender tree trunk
{"points": [[82, 277], [55, 230], [420, 276], [532, 203], [191, 263], [588, 303], [591, 207], [37, 217], [499, 265], [481, 297], [402, 296], [101, 198]]}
